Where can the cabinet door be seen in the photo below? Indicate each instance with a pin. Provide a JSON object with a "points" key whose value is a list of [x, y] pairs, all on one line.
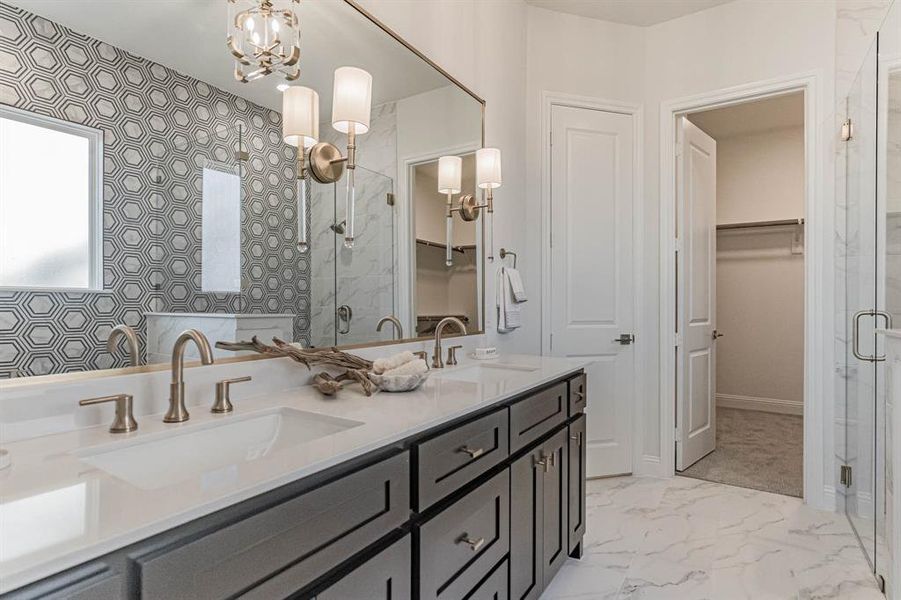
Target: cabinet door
{"points": [[526, 523], [555, 492], [576, 483], [385, 576]]}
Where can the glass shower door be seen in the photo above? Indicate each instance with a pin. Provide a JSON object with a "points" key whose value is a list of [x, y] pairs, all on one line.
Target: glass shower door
{"points": [[364, 275], [866, 230]]}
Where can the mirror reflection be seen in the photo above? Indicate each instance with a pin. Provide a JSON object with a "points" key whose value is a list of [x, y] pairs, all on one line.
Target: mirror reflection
{"points": [[176, 203]]}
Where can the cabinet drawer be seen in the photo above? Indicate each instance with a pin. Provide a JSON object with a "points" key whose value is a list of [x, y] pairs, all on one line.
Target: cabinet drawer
{"points": [[299, 539], [459, 546], [385, 576], [89, 582], [532, 417], [578, 394], [453, 459], [494, 587]]}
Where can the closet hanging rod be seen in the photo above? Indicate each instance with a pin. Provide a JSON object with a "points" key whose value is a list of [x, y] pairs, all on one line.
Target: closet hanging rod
{"points": [[752, 224]]}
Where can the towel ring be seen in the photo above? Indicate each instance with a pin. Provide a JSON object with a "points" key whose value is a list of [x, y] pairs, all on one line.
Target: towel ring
{"points": [[505, 253]]}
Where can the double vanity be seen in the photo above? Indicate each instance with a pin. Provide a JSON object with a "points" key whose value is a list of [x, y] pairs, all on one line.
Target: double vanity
{"points": [[470, 487]]}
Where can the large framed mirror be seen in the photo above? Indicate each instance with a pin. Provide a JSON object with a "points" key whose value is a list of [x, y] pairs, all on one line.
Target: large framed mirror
{"points": [[145, 189]]}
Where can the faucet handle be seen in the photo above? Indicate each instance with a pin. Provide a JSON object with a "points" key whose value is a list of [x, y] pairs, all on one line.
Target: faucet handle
{"points": [[124, 420], [452, 354], [423, 355], [223, 402]]}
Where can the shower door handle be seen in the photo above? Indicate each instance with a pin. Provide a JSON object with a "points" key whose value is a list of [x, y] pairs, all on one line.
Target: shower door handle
{"points": [[345, 314], [855, 333]]}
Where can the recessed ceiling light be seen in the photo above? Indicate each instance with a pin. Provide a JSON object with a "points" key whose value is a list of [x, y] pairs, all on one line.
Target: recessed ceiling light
{"points": [[282, 87]]}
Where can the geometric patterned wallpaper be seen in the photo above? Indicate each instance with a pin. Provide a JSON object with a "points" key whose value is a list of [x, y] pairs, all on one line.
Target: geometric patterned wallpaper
{"points": [[160, 128]]}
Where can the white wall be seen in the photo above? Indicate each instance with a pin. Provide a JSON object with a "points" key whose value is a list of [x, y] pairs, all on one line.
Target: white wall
{"points": [[759, 281]]}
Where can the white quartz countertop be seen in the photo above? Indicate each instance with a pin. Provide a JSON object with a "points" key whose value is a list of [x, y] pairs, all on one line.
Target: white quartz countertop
{"points": [[57, 511]]}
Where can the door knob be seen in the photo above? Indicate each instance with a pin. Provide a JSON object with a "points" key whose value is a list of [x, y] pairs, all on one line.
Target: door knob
{"points": [[625, 339], [716, 334]]}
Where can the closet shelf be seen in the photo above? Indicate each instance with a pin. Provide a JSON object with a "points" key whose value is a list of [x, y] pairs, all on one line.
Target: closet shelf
{"points": [[753, 224]]}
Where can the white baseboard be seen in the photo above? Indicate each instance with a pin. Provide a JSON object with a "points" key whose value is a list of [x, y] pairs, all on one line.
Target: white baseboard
{"points": [[772, 405]]}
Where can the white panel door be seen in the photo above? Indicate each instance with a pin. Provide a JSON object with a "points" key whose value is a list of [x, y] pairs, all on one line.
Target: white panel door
{"points": [[696, 392], [591, 276]]}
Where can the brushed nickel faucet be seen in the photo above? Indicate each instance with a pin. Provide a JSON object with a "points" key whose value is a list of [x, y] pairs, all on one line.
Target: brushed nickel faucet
{"points": [[437, 362], [398, 328], [177, 412], [131, 340]]}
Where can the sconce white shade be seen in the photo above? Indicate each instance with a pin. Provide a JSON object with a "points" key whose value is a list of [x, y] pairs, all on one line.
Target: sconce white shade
{"points": [[351, 100], [488, 168], [450, 174], [300, 116]]}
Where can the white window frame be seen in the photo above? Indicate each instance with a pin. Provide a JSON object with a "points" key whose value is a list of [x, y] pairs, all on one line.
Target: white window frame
{"points": [[95, 194]]}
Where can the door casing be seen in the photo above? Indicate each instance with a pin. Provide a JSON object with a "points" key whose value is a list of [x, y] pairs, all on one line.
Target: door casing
{"points": [[818, 281], [547, 101]]}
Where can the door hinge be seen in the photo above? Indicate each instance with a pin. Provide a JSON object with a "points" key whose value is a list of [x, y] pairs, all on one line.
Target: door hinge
{"points": [[847, 130], [678, 340], [845, 476], [550, 135], [552, 342], [678, 435]]}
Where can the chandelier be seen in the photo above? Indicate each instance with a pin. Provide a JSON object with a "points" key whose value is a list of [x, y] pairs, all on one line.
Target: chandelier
{"points": [[264, 38]]}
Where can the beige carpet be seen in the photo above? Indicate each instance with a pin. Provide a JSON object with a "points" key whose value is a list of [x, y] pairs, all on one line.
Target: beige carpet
{"points": [[758, 450]]}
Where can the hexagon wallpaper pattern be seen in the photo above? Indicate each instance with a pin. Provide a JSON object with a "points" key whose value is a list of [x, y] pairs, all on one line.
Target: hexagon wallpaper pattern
{"points": [[160, 128]]}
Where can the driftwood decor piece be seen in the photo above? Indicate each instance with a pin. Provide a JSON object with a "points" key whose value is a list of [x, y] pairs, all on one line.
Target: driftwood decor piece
{"points": [[356, 369]]}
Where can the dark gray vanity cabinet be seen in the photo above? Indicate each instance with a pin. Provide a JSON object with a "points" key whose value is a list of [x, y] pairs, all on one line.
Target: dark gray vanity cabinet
{"points": [[485, 508], [385, 576], [539, 506]]}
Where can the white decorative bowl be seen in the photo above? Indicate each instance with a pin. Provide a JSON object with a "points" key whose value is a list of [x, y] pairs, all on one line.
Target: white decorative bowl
{"points": [[399, 383]]}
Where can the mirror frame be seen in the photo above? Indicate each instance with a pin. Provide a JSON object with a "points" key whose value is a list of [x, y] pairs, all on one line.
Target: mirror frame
{"points": [[13, 383]]}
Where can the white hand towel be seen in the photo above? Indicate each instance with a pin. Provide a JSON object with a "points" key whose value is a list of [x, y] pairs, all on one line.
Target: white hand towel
{"points": [[509, 314], [519, 290], [414, 367], [380, 365]]}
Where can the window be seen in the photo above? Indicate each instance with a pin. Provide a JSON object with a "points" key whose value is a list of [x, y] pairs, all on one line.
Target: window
{"points": [[220, 248], [50, 203]]}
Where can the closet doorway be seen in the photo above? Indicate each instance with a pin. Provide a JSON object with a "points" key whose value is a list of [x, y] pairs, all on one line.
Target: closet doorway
{"points": [[740, 364]]}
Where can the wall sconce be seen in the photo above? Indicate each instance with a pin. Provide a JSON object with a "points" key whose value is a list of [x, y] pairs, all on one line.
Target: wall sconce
{"points": [[351, 104], [265, 35], [488, 178], [450, 177], [300, 128]]}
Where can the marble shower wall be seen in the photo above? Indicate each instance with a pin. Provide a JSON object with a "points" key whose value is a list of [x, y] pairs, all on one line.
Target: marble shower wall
{"points": [[362, 278], [150, 116]]}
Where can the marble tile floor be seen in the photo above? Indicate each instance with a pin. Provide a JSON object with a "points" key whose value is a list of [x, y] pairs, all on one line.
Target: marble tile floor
{"points": [[689, 539]]}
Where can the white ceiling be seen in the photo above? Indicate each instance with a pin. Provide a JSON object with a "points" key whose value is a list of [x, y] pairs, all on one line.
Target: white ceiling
{"points": [[189, 36], [629, 12], [752, 117]]}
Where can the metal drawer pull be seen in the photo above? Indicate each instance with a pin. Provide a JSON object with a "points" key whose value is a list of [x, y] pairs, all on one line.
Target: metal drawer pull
{"points": [[577, 436], [472, 452], [474, 545], [545, 462], [580, 395]]}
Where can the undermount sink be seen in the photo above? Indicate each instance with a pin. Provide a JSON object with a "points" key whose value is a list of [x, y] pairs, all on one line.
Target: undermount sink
{"points": [[486, 373], [212, 451]]}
